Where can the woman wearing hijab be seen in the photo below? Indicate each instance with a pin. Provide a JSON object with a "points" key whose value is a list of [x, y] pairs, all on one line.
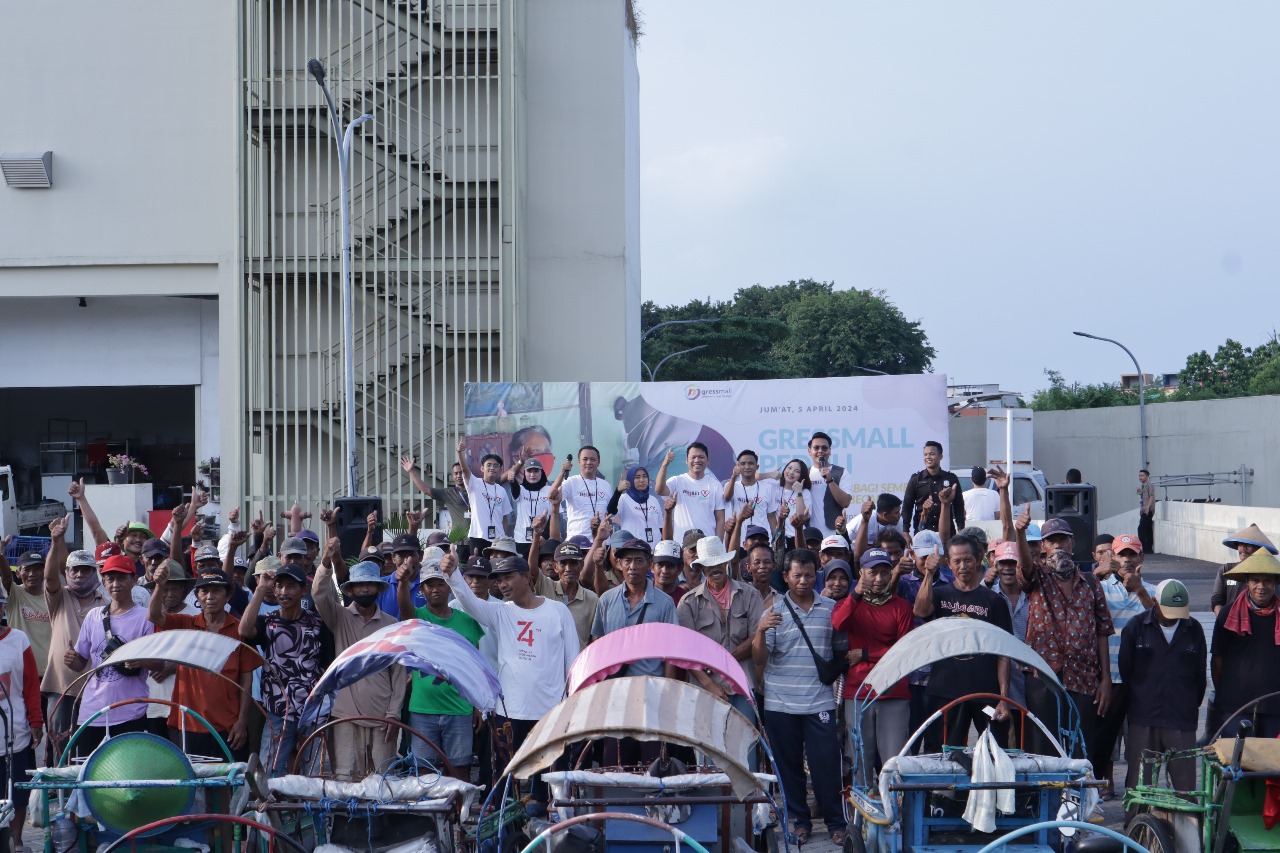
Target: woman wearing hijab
{"points": [[531, 494], [636, 508]]}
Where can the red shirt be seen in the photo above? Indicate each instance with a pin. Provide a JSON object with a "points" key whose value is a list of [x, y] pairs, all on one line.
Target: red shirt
{"points": [[874, 627]]}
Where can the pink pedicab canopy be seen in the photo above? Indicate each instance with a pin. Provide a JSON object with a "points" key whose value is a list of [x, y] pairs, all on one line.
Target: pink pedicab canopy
{"points": [[671, 643]]}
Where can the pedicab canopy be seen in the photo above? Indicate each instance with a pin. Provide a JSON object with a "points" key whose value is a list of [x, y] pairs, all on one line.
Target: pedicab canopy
{"points": [[672, 643], [644, 708], [948, 638], [417, 645], [198, 649]]}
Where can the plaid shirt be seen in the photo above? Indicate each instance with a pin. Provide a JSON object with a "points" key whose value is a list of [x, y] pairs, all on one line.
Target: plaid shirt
{"points": [[1064, 627]]}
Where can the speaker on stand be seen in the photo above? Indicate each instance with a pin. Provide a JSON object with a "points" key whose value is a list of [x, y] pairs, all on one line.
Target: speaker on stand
{"points": [[1077, 505], [350, 518]]}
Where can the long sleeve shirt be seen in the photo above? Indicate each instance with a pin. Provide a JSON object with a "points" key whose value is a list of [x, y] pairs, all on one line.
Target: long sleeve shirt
{"points": [[1166, 678], [874, 628], [923, 485]]}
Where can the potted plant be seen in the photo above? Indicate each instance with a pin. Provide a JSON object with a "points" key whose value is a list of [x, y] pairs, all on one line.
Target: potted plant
{"points": [[120, 468]]}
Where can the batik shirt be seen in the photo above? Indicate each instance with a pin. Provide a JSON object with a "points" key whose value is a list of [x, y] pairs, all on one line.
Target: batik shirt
{"points": [[294, 654]]}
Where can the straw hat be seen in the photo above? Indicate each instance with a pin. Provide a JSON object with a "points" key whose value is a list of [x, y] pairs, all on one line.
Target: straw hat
{"points": [[1251, 535], [1259, 563]]}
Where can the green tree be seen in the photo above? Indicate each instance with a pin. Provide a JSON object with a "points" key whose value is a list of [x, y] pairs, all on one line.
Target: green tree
{"points": [[801, 328], [1266, 379], [1060, 395]]}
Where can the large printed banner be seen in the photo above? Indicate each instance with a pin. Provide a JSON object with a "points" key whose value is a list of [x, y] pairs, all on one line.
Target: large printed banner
{"points": [[878, 425]]}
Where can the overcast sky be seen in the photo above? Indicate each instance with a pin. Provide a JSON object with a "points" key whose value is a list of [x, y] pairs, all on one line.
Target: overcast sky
{"points": [[1006, 171]]}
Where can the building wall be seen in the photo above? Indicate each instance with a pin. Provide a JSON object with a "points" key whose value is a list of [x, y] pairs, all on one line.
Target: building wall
{"points": [[582, 295], [1182, 438]]}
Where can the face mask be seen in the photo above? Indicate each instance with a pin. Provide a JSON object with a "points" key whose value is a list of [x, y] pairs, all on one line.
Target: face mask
{"points": [[366, 600], [83, 586], [1061, 564]]}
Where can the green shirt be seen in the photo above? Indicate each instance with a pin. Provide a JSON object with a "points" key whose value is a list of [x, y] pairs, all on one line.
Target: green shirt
{"points": [[428, 695]]}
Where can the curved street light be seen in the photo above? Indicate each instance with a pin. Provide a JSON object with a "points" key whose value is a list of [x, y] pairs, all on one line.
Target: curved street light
{"points": [[1142, 391]]}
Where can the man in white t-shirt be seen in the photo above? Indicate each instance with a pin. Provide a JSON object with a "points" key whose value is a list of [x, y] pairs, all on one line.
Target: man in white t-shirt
{"points": [[981, 503], [746, 487], [832, 490], [537, 642], [490, 500], [699, 495], [585, 496]]}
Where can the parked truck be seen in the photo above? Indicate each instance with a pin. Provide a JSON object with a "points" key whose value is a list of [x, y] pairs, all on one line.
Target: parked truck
{"points": [[27, 519], [985, 437]]}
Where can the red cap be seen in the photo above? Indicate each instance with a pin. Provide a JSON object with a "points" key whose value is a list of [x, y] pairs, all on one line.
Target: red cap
{"points": [[105, 550], [995, 543], [119, 563], [1007, 551], [1126, 542]]}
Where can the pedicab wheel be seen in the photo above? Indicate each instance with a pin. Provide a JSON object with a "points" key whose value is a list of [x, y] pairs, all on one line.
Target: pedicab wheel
{"points": [[853, 841], [1151, 832]]}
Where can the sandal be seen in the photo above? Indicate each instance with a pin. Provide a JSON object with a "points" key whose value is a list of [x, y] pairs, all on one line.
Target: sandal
{"points": [[801, 834], [838, 836]]}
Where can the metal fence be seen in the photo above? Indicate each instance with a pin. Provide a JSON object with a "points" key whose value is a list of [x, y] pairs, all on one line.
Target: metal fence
{"points": [[428, 256]]}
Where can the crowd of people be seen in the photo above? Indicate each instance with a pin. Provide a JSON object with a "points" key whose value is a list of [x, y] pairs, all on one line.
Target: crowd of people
{"points": [[807, 589]]}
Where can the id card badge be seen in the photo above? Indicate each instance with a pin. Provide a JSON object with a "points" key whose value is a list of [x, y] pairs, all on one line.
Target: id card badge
{"points": [[648, 534], [493, 533], [528, 533]]}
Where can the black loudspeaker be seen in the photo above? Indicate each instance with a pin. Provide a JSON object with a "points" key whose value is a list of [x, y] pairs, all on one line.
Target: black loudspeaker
{"points": [[1077, 505], [351, 515]]}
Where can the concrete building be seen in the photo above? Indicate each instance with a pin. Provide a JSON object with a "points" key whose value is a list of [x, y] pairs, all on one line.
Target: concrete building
{"points": [[176, 291]]}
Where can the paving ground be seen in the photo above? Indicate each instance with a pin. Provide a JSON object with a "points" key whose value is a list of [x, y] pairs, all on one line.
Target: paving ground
{"points": [[1198, 577]]}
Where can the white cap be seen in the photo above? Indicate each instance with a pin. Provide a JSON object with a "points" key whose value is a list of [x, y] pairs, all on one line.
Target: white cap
{"points": [[81, 558], [667, 549], [834, 541]]}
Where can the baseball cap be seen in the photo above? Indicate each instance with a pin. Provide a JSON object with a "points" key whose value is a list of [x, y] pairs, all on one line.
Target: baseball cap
{"points": [[177, 574], [31, 558], [1126, 542], [754, 530], [1173, 599], [1055, 527], [619, 538], [83, 558], [105, 550], [155, 548], [667, 551], [502, 545], [977, 534], [811, 534], [1006, 551], [635, 544], [873, 557], [309, 536], [439, 537], [477, 566], [241, 563], [926, 542], [568, 552], [1033, 532], [119, 563], [431, 572], [405, 543], [691, 538], [208, 552], [266, 564], [140, 527], [549, 547], [294, 545], [531, 463], [834, 541], [581, 540], [374, 553], [509, 565], [291, 571], [212, 577], [994, 544]]}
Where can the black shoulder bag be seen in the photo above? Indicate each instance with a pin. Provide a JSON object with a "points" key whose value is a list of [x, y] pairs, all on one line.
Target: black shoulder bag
{"points": [[828, 670]]}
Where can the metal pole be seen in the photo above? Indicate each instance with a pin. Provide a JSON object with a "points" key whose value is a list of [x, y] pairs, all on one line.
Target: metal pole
{"points": [[678, 323], [653, 377], [343, 142], [1142, 392]]}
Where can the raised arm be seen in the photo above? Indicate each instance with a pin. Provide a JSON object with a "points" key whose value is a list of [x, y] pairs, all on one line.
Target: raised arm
{"points": [[1001, 480], [860, 539], [6, 573], [729, 484], [944, 513], [557, 487], [249, 619], [487, 613], [410, 467], [924, 598], [76, 491], [1026, 561], [155, 608], [668, 516], [56, 560], [661, 484], [404, 593]]}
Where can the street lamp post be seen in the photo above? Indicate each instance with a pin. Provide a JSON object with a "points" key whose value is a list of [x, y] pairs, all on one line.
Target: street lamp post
{"points": [[653, 372], [342, 139], [1142, 391]]}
